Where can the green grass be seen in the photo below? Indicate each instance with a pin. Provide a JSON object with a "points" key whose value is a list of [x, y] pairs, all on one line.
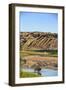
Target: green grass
{"points": [[28, 74], [51, 53]]}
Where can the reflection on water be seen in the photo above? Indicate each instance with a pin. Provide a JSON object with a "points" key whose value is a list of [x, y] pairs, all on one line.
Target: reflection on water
{"points": [[43, 72], [49, 72]]}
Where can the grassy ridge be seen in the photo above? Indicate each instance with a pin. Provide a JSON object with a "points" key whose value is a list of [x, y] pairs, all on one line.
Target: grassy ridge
{"points": [[51, 53]]}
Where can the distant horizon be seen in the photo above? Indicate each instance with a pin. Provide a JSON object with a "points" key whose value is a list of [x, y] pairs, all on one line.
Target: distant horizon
{"points": [[38, 22], [37, 31]]}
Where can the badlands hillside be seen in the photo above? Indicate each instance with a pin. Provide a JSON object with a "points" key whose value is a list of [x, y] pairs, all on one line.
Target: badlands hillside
{"points": [[38, 40]]}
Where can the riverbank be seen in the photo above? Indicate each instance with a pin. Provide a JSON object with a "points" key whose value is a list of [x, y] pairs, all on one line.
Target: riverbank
{"points": [[44, 62], [28, 72], [25, 74]]}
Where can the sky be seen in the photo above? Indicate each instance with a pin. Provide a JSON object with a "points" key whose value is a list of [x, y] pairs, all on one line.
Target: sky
{"points": [[38, 22]]}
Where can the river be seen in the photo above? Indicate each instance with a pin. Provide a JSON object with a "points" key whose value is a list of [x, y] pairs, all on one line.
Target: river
{"points": [[43, 72]]}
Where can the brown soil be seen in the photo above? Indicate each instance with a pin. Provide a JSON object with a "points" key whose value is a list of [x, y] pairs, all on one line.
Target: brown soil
{"points": [[45, 62]]}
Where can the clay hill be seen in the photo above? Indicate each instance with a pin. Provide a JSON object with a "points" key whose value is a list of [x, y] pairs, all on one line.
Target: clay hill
{"points": [[38, 40]]}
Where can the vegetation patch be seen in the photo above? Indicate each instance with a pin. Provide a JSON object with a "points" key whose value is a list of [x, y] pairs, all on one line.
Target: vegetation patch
{"points": [[51, 53], [25, 74]]}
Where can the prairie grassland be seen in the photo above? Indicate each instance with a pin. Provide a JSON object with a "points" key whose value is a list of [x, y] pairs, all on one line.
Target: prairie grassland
{"points": [[24, 74], [39, 53]]}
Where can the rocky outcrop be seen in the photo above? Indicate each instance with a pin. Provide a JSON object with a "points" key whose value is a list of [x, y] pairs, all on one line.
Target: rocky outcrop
{"points": [[38, 40]]}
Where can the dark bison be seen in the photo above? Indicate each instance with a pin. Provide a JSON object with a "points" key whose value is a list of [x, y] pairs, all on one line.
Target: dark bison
{"points": [[37, 69]]}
